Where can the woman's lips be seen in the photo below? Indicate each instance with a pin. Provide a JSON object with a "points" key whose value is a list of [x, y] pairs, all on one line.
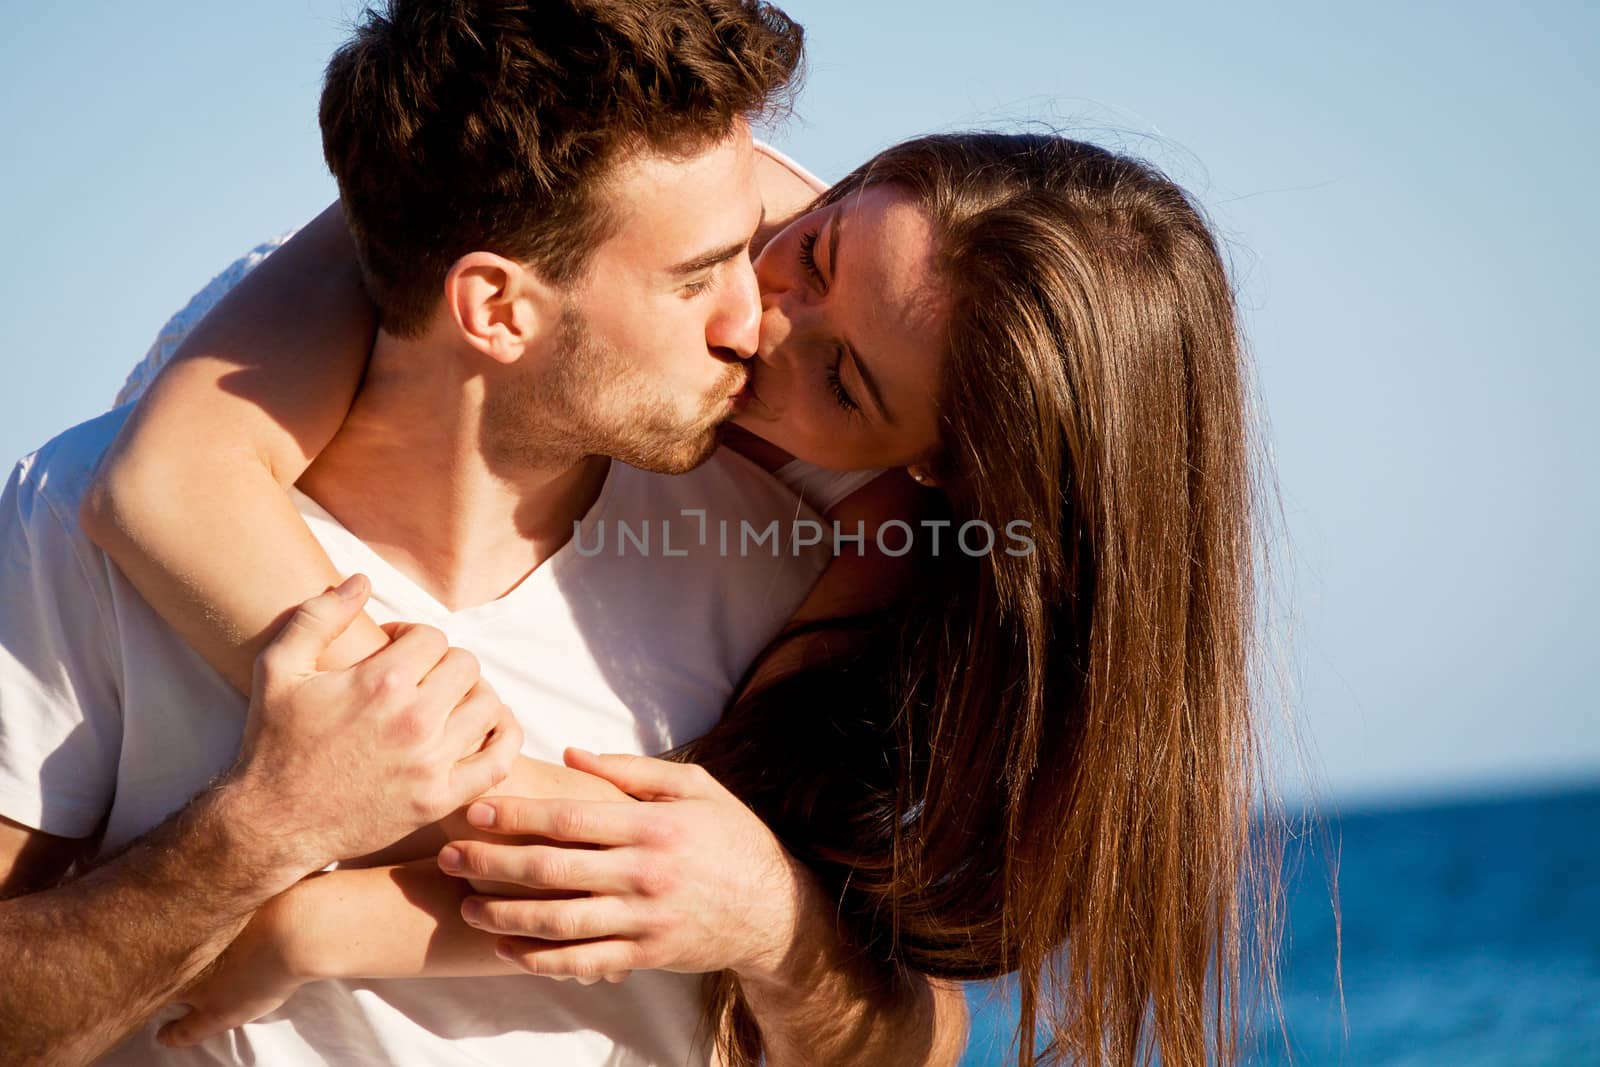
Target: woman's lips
{"points": [[747, 396]]}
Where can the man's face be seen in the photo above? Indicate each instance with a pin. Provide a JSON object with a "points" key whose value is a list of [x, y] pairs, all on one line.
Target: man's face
{"points": [[651, 345]]}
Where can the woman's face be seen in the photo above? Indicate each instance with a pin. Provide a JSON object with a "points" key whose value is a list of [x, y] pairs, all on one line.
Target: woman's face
{"points": [[852, 335]]}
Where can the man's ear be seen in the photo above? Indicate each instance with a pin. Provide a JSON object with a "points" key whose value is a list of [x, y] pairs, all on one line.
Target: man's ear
{"points": [[500, 306]]}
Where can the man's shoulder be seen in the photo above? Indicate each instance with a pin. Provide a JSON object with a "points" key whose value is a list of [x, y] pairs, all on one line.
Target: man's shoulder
{"points": [[61, 470]]}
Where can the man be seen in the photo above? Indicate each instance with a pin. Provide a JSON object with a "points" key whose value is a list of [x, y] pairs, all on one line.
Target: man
{"points": [[608, 321]]}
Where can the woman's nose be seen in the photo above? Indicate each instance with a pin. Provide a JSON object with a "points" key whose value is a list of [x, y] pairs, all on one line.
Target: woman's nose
{"points": [[775, 271], [777, 326]]}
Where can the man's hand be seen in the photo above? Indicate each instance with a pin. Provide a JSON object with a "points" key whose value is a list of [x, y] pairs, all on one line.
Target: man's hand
{"points": [[340, 763], [690, 881], [253, 977]]}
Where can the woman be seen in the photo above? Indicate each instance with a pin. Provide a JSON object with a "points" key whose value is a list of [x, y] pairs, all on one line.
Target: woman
{"points": [[1044, 749]]}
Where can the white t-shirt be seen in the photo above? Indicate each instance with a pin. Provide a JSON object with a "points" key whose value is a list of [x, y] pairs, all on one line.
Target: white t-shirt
{"points": [[109, 722]]}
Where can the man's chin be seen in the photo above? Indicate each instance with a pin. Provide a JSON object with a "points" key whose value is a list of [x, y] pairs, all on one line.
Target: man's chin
{"points": [[677, 457]]}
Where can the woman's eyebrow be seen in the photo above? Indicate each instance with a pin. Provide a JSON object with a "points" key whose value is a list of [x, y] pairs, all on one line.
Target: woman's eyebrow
{"points": [[855, 356]]}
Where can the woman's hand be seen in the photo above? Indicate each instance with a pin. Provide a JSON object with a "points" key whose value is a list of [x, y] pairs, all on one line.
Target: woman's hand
{"points": [[691, 881], [252, 978]]}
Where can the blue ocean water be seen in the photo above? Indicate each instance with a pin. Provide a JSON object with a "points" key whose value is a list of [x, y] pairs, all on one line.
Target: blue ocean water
{"points": [[1471, 938]]}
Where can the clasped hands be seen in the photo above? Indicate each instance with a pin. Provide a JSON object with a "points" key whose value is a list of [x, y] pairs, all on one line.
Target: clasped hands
{"points": [[690, 880], [673, 872], [684, 877]]}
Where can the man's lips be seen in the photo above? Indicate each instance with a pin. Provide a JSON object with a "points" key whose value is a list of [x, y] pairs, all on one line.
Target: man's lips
{"points": [[746, 394]]}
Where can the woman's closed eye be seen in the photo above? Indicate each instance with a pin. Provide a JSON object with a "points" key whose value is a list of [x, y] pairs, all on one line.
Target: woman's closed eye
{"points": [[808, 257], [808, 260], [841, 395]]}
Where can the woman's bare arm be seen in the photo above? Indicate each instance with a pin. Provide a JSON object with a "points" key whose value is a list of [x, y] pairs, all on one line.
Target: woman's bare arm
{"points": [[401, 918], [256, 392], [394, 920], [190, 501], [528, 778], [786, 194], [400, 921]]}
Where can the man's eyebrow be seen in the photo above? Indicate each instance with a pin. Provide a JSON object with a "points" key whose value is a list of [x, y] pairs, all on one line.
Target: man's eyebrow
{"points": [[716, 256], [850, 349]]}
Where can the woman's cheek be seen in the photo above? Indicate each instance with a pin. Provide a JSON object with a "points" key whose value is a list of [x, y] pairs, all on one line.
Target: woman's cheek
{"points": [[832, 444]]}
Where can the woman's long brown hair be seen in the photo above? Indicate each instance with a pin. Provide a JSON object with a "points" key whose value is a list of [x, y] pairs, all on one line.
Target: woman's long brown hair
{"points": [[1046, 763]]}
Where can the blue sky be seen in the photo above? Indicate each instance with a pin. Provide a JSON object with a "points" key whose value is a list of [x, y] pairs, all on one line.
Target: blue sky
{"points": [[1406, 194]]}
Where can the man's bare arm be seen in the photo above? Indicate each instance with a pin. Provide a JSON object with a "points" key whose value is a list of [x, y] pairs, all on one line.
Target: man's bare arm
{"points": [[89, 961], [405, 921], [332, 765], [396, 916]]}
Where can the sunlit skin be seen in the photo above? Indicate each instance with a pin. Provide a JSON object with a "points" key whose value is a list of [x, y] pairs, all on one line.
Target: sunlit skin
{"points": [[668, 307], [661, 334], [850, 301], [507, 421]]}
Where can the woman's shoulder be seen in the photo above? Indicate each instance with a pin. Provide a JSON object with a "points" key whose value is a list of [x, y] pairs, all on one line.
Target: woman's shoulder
{"points": [[777, 167], [180, 325], [821, 488], [787, 191]]}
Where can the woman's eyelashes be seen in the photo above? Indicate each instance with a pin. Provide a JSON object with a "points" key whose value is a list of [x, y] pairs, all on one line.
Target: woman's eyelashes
{"points": [[808, 260], [808, 257], [841, 395]]}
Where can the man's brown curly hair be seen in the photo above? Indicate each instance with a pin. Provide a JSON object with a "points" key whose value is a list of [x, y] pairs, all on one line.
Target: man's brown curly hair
{"points": [[455, 126]]}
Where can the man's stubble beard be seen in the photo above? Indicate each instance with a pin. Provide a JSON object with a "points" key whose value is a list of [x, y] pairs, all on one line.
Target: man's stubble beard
{"points": [[589, 399]]}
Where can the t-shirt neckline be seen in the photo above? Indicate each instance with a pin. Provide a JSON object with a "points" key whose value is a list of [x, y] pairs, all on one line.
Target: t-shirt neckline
{"points": [[398, 588]]}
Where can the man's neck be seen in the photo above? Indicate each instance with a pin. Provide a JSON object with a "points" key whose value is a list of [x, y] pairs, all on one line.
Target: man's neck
{"points": [[407, 474]]}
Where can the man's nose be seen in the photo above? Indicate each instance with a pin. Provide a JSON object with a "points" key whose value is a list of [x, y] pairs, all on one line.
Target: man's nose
{"points": [[736, 326]]}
